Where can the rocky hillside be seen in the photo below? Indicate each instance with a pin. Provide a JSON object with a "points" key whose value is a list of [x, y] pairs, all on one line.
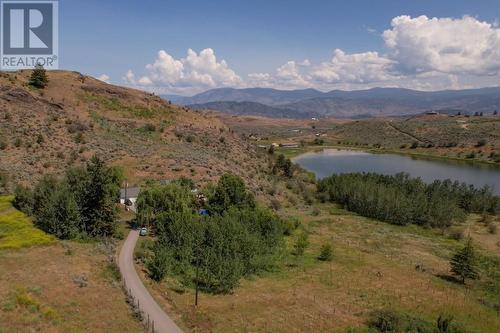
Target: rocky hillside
{"points": [[76, 116]]}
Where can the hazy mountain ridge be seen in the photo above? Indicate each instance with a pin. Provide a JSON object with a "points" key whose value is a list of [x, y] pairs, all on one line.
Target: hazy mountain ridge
{"points": [[254, 109], [339, 103]]}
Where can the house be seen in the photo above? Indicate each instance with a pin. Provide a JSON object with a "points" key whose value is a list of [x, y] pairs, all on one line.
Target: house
{"points": [[128, 196], [289, 145]]}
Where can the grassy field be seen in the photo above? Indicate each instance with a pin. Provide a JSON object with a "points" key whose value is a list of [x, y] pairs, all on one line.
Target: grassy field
{"points": [[61, 286], [16, 229], [374, 267], [459, 138]]}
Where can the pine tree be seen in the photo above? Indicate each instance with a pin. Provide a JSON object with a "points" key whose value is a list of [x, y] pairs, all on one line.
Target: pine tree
{"points": [[38, 78], [463, 263]]}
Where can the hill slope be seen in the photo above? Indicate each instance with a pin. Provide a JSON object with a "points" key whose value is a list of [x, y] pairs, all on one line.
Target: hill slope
{"points": [[76, 116]]}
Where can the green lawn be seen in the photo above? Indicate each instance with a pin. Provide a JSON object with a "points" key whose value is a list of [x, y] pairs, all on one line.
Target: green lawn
{"points": [[16, 228]]}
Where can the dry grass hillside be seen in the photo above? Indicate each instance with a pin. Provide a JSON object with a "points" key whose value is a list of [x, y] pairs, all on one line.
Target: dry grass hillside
{"points": [[76, 116]]}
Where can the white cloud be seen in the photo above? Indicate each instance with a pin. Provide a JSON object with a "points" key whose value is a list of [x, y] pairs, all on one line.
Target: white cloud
{"points": [[421, 53], [194, 72], [446, 45], [104, 78], [129, 77], [364, 67]]}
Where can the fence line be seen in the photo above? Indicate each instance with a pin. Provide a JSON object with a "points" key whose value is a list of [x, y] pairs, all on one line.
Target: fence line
{"points": [[138, 312]]}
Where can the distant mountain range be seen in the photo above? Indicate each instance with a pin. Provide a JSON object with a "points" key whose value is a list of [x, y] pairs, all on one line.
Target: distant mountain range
{"points": [[343, 104]]}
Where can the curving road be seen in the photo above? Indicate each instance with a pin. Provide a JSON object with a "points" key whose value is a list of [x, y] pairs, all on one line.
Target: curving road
{"points": [[162, 322]]}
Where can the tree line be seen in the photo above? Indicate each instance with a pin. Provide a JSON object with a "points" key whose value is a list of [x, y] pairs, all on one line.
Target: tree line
{"points": [[402, 200], [81, 204], [236, 239]]}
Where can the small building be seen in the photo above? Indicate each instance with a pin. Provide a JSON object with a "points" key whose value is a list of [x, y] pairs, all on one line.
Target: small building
{"points": [[431, 113], [289, 145], [128, 195]]}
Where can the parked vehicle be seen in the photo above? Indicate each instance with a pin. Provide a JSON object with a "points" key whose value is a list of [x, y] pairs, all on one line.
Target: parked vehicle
{"points": [[143, 231]]}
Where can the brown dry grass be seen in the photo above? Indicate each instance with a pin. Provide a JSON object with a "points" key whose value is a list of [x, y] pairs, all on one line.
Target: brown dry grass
{"points": [[373, 268], [39, 291], [78, 116]]}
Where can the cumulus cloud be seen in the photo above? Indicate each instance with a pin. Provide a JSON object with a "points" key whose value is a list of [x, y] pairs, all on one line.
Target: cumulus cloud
{"points": [[417, 52], [129, 77], [104, 78], [446, 45], [195, 71], [364, 67]]}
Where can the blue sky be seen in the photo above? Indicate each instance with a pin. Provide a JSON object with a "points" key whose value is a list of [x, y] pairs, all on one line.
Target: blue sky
{"points": [[112, 37]]}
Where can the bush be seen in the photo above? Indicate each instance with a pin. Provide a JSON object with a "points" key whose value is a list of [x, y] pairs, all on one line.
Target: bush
{"points": [[158, 265], [301, 243], [464, 263], [275, 204], [3, 144], [456, 233], [18, 142], [481, 143], [38, 78], [149, 128], [391, 321], [318, 142], [316, 211], [23, 199], [283, 165], [326, 252], [3, 182], [290, 225]]}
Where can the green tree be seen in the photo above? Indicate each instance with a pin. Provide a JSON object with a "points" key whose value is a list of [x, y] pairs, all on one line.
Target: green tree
{"points": [[38, 78], [23, 199], [55, 209], [96, 189], [301, 243], [165, 199], [159, 264], [463, 263], [326, 252], [230, 191], [283, 165]]}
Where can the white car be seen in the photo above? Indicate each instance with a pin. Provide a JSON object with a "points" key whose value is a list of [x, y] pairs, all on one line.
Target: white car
{"points": [[143, 231]]}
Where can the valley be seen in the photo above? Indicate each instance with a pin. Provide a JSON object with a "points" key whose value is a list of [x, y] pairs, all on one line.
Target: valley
{"points": [[170, 150]]}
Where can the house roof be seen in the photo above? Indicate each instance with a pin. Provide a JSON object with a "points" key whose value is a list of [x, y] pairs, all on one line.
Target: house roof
{"points": [[132, 192]]}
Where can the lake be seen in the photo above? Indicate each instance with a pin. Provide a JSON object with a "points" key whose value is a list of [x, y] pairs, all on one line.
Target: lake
{"points": [[330, 161]]}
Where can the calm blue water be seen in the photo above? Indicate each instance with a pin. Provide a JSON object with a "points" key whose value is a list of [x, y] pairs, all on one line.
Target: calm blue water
{"points": [[329, 161]]}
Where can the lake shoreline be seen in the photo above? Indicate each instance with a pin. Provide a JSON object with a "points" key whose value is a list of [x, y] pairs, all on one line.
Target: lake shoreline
{"points": [[335, 160], [293, 153]]}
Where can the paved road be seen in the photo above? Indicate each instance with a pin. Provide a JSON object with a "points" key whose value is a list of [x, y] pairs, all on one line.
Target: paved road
{"points": [[162, 322]]}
